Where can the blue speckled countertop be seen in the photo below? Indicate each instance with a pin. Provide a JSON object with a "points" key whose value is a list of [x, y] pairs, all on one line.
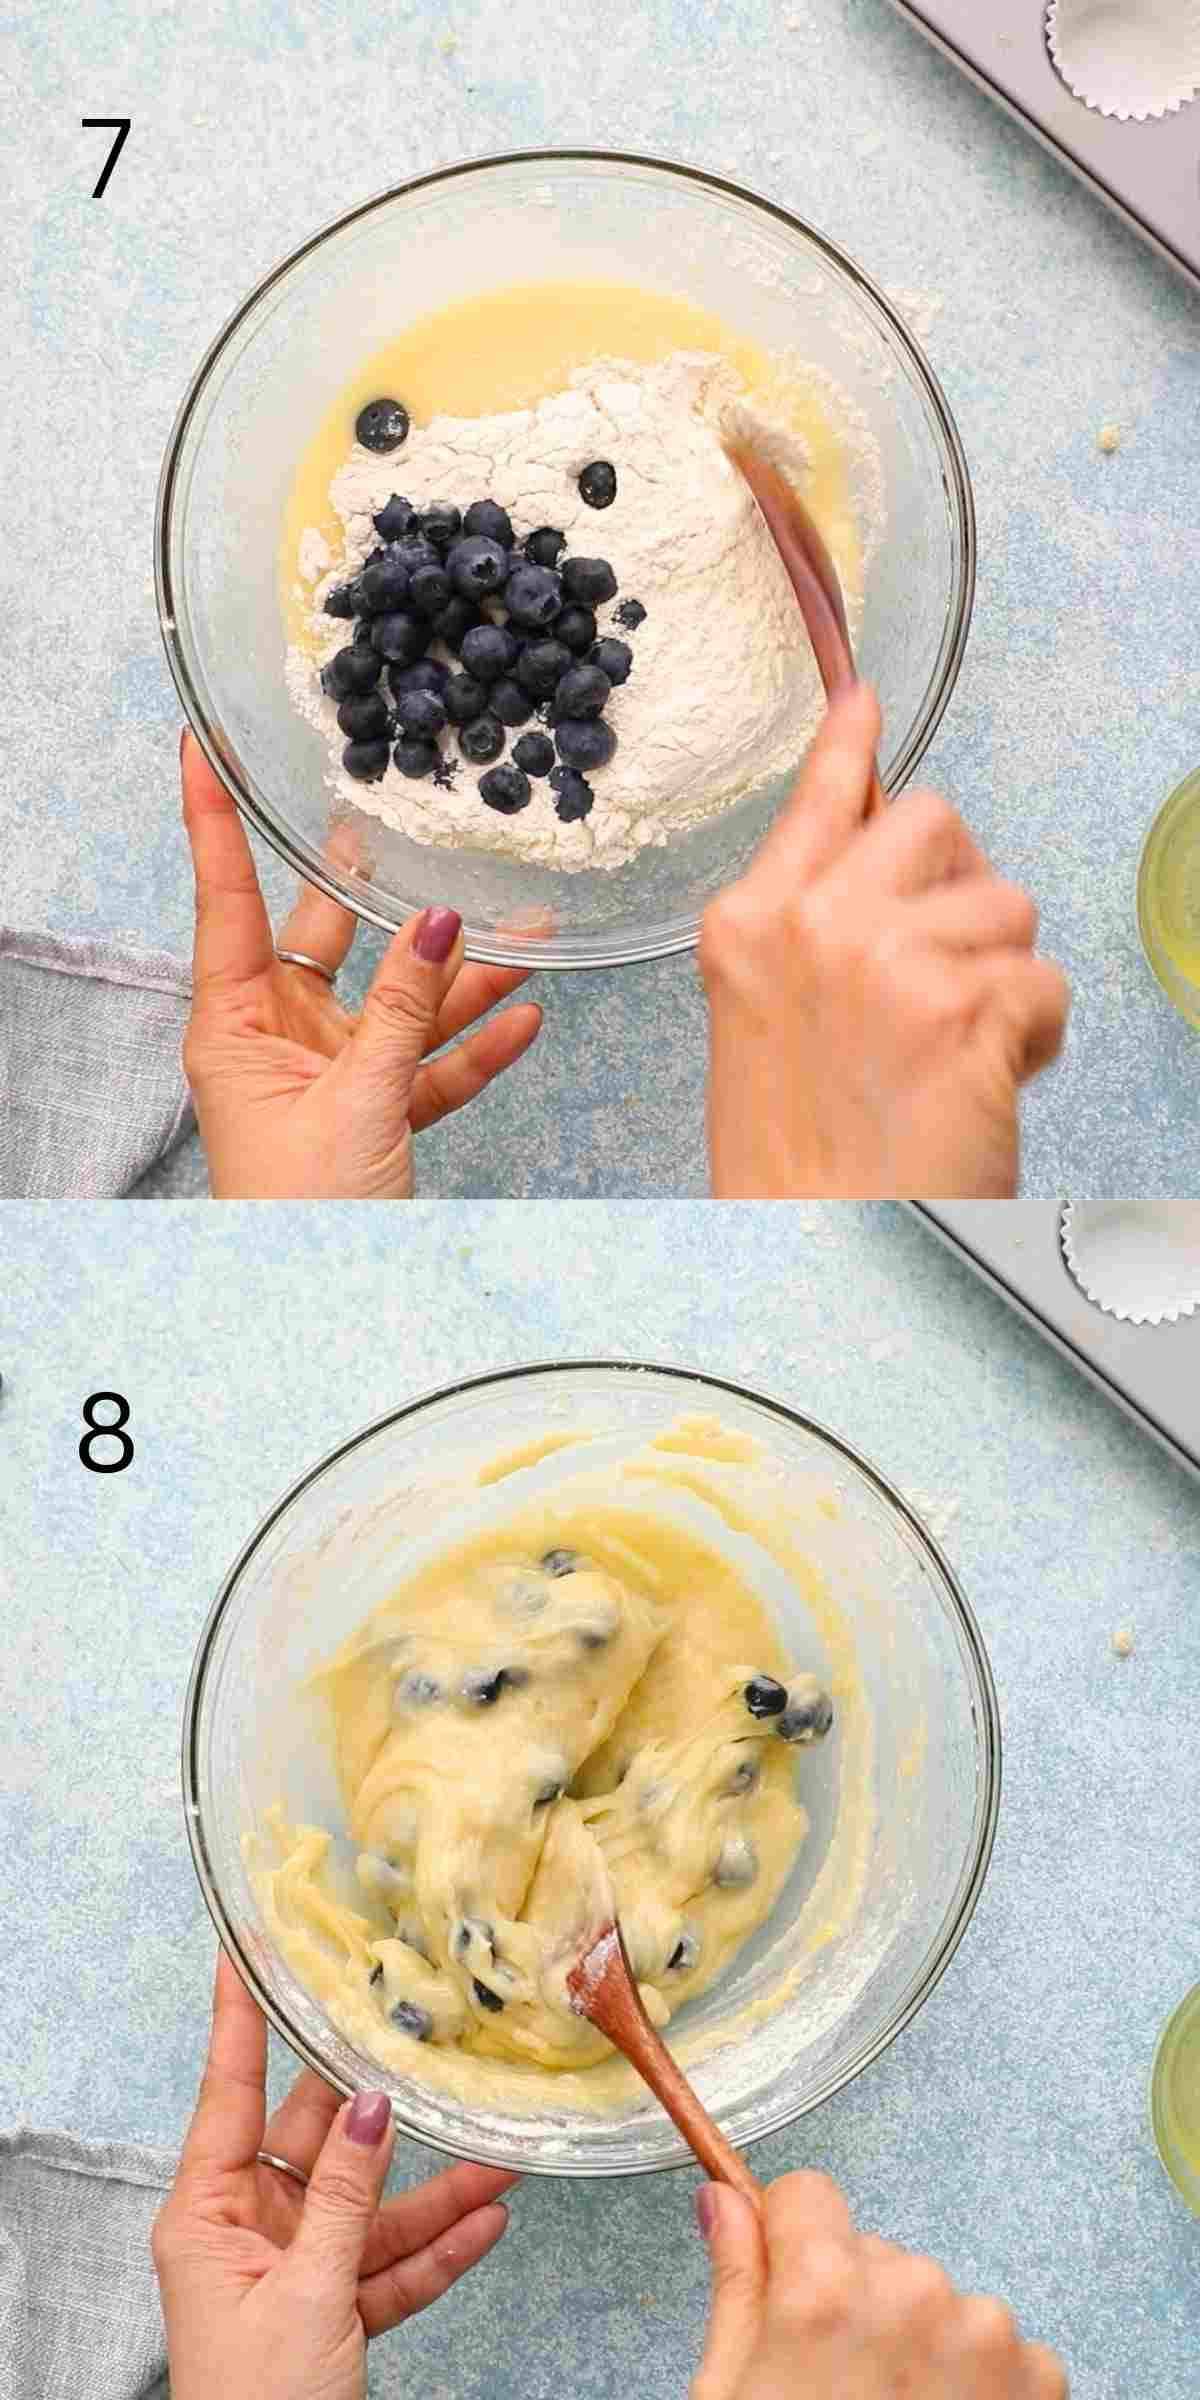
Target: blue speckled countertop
{"points": [[253, 123], [1006, 2130]]}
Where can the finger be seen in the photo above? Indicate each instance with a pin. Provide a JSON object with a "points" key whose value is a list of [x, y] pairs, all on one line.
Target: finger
{"points": [[918, 843], [416, 2218], [342, 2197], [413, 2283], [299, 2125], [233, 931], [1047, 2375], [975, 912], [733, 2229], [227, 2129], [830, 800], [803, 2208], [1032, 999], [411, 984], [474, 990], [446, 1083], [320, 926]]}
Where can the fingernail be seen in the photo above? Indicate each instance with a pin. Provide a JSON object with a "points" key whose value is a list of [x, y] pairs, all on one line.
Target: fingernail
{"points": [[435, 936], [368, 2118], [183, 733], [706, 2211]]}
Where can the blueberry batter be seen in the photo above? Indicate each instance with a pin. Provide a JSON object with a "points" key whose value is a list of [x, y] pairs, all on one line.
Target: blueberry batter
{"points": [[570, 1706]]}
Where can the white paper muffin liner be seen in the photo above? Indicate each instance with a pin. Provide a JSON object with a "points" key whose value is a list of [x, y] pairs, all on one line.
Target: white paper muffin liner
{"points": [[1136, 1259], [1127, 58]]}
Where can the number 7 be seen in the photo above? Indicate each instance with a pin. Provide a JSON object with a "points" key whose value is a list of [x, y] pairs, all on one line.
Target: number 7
{"points": [[122, 125]]}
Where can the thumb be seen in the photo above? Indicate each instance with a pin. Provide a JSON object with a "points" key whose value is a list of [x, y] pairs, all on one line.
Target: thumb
{"points": [[343, 2195], [399, 1017], [733, 2229]]}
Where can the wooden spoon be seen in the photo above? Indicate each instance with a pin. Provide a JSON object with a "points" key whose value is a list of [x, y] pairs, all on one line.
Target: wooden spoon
{"points": [[813, 578], [601, 1988]]}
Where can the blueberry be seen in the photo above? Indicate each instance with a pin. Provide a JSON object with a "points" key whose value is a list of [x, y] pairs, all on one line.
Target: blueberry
{"points": [[418, 1691], [354, 669], [489, 651], [541, 667], [477, 566], [509, 701], [340, 602], [493, 523], [630, 614], [560, 1562], [464, 698], [440, 524], [408, 2018], [684, 1955], [421, 713], [382, 425], [485, 1689], [473, 1929], [428, 675], [575, 798], [588, 580], [396, 518], [764, 1697], [533, 597], [380, 588], [401, 637], [429, 591], [613, 658], [576, 627], [364, 716], [737, 1865], [545, 547], [549, 1792], [534, 754], [482, 739], [454, 621], [598, 484], [506, 790], [584, 742], [485, 1998], [366, 761], [415, 758], [583, 692], [416, 552], [810, 1722]]}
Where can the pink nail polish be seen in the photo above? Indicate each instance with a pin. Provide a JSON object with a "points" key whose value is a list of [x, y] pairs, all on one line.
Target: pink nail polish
{"points": [[368, 2118], [706, 2210], [435, 935]]}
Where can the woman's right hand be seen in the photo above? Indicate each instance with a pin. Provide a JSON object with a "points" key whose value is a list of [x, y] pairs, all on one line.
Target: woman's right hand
{"points": [[875, 1000], [803, 2304]]}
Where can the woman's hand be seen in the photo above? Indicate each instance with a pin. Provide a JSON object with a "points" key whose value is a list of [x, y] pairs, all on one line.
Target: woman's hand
{"points": [[271, 2290], [803, 2304], [874, 997], [296, 1099]]}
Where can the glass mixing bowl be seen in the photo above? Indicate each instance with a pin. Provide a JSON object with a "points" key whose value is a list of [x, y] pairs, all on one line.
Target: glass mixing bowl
{"points": [[259, 394], [915, 1771]]}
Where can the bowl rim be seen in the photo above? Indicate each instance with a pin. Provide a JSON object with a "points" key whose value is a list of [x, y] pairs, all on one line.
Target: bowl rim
{"points": [[985, 1708], [299, 854]]}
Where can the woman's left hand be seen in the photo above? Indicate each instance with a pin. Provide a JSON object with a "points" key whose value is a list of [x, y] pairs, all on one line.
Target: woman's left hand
{"points": [[267, 2288]]}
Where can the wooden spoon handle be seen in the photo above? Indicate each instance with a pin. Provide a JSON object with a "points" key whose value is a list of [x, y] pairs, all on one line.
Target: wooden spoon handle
{"points": [[604, 1991], [813, 578]]}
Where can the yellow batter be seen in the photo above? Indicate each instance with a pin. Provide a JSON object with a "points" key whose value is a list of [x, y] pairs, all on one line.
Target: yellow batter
{"points": [[584, 1701]]}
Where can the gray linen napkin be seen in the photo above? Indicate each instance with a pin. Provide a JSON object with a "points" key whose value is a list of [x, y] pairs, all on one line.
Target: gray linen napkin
{"points": [[79, 2313], [92, 1089]]}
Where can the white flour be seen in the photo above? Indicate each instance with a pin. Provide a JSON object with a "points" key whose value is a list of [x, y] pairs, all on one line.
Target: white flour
{"points": [[724, 691]]}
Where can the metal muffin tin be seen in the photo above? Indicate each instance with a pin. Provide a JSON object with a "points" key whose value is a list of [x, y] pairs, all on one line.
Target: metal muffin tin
{"points": [[1151, 1371], [1150, 173]]}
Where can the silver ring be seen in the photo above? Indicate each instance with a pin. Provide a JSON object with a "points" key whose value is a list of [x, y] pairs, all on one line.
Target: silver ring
{"points": [[300, 958], [285, 2167]]}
